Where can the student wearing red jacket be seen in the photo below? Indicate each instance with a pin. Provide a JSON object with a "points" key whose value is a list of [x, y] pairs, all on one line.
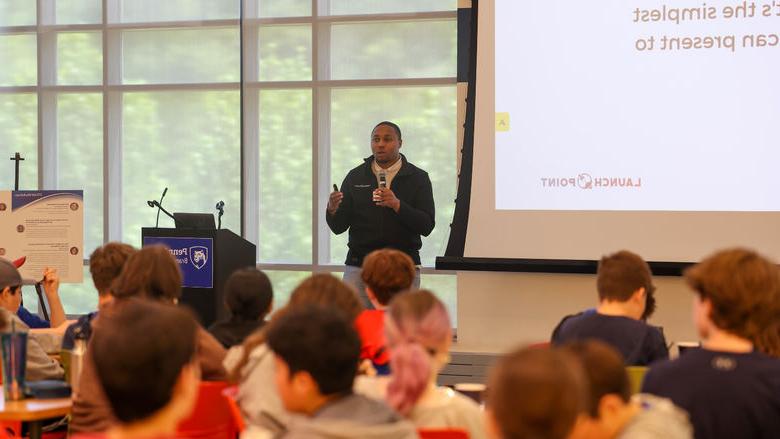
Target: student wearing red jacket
{"points": [[385, 273]]}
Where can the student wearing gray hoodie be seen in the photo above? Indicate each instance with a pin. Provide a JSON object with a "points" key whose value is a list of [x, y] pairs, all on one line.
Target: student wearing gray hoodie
{"points": [[316, 354], [39, 365], [610, 412]]}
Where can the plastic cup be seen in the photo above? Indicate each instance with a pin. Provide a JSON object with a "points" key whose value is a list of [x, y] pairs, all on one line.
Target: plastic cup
{"points": [[474, 391], [14, 351]]}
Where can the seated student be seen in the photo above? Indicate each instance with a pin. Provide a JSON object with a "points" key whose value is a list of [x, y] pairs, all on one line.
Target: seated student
{"points": [[51, 286], [419, 336], [316, 352], [624, 285], [150, 273], [535, 393], [248, 296], [610, 412], [252, 365], [151, 386], [768, 339], [385, 273], [105, 264], [728, 386], [39, 365]]}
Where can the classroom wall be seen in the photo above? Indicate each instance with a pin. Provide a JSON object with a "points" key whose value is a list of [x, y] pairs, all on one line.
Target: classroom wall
{"points": [[498, 311]]}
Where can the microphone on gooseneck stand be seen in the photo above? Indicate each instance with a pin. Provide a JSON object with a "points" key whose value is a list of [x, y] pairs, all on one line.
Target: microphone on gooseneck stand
{"points": [[221, 209], [159, 206]]}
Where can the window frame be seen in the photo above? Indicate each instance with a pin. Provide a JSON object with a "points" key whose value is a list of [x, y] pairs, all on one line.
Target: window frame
{"points": [[112, 90]]}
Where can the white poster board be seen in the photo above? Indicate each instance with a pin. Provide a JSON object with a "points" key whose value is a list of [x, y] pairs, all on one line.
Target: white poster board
{"points": [[46, 228]]}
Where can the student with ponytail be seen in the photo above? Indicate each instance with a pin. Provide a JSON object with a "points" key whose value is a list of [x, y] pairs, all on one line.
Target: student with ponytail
{"points": [[419, 335]]}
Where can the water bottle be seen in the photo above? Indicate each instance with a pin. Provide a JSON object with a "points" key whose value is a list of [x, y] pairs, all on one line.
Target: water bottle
{"points": [[14, 350], [77, 359]]}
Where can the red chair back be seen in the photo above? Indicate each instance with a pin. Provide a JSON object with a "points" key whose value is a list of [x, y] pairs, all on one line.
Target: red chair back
{"points": [[230, 394], [442, 433], [10, 429], [211, 418], [13, 430]]}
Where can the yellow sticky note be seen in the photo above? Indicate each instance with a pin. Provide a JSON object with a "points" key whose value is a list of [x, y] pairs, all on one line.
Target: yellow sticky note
{"points": [[502, 121]]}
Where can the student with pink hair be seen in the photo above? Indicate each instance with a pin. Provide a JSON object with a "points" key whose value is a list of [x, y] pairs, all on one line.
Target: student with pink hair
{"points": [[419, 335]]}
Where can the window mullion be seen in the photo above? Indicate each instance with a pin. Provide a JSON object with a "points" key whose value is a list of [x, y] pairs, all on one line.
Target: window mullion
{"points": [[251, 195], [251, 120], [321, 8], [320, 134], [112, 125], [47, 118], [47, 102]]}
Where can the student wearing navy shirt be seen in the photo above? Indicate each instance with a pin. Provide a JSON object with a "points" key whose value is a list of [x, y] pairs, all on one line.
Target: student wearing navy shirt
{"points": [[32, 320], [625, 289], [51, 286], [730, 387]]}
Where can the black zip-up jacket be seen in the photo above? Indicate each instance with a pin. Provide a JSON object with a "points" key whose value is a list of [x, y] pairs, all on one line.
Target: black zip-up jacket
{"points": [[372, 227]]}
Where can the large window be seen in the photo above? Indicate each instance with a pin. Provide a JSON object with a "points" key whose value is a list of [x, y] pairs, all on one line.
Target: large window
{"points": [[144, 95]]}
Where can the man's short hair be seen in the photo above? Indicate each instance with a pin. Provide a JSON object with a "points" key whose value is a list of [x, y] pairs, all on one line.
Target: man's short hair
{"points": [[139, 352], [536, 393], [320, 341], [150, 272], [744, 289], [387, 272], [395, 127], [106, 262], [620, 274], [604, 369], [248, 294]]}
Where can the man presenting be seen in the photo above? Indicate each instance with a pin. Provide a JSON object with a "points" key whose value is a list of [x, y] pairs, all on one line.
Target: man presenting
{"points": [[385, 202]]}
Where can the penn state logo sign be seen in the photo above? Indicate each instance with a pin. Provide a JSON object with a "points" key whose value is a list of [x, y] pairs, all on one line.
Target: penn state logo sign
{"points": [[199, 256]]}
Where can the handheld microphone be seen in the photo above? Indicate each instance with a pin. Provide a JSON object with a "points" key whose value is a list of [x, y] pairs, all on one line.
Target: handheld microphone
{"points": [[382, 185]]}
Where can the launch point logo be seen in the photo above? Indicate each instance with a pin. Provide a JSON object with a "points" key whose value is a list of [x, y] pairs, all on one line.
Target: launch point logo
{"points": [[586, 181]]}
